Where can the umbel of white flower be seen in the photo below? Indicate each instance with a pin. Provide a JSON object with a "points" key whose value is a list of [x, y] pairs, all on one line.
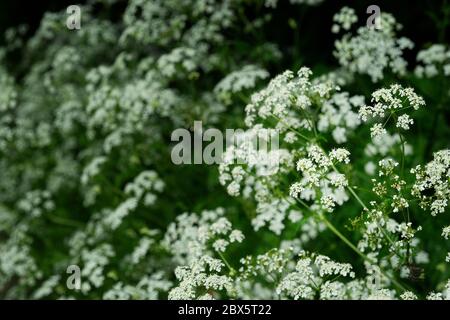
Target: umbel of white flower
{"points": [[370, 51]]}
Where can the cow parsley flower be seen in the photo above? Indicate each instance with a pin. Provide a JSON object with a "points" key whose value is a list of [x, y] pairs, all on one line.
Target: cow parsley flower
{"points": [[36, 202], [408, 295], [328, 203], [94, 263], [273, 214], [433, 61], [220, 245], [432, 186], [446, 232], [243, 79], [340, 155], [338, 115], [200, 274], [390, 102], [309, 273], [344, 19], [372, 51], [404, 121], [192, 236], [434, 296], [47, 287]]}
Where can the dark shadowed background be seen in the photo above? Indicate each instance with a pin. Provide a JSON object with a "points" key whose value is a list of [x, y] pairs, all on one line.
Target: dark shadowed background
{"points": [[420, 20]]}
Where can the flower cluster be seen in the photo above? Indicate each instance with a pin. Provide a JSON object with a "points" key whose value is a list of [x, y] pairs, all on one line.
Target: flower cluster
{"points": [[194, 241], [371, 50], [434, 61], [308, 278], [432, 185], [335, 186], [320, 179], [339, 117], [390, 103], [344, 19], [240, 80]]}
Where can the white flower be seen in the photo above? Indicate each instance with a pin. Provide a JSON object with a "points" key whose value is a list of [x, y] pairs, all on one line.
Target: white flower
{"points": [[446, 232], [434, 296], [141, 249], [338, 179], [404, 121], [303, 281], [220, 245], [387, 102], [236, 236], [273, 214], [296, 189], [328, 203], [433, 61], [344, 19], [408, 295], [371, 51], [377, 130], [370, 168], [432, 186], [237, 81], [233, 189], [115, 218], [438, 206], [399, 203], [340, 155]]}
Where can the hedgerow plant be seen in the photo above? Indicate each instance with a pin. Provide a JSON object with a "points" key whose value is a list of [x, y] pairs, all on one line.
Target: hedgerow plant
{"points": [[356, 208]]}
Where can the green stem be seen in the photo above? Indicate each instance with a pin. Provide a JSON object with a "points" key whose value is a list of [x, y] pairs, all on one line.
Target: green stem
{"points": [[64, 221], [292, 129], [232, 270], [357, 197], [402, 146], [362, 255], [379, 227]]}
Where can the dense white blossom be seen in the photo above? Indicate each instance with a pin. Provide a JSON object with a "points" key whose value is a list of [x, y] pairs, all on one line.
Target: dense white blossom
{"points": [[85, 180], [344, 19], [433, 61], [432, 182], [371, 51]]}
